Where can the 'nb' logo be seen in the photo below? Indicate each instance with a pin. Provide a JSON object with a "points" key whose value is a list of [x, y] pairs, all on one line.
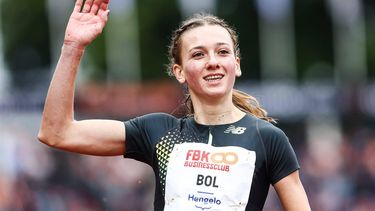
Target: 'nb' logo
{"points": [[235, 130]]}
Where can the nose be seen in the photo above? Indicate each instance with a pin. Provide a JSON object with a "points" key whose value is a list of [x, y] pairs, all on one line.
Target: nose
{"points": [[212, 63]]}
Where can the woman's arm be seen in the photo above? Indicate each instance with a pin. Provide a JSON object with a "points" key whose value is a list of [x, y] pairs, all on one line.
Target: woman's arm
{"points": [[292, 194], [58, 127]]}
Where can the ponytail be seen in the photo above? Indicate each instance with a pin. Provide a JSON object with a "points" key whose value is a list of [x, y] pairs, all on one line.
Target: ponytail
{"points": [[250, 104]]}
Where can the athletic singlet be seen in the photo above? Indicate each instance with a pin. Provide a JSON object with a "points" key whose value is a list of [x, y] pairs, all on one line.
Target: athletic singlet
{"points": [[202, 167]]}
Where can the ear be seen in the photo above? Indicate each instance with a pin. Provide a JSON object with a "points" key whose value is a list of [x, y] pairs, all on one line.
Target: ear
{"points": [[238, 67], [178, 73]]}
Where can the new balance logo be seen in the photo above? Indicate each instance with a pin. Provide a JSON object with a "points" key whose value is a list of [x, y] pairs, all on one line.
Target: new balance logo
{"points": [[235, 130]]}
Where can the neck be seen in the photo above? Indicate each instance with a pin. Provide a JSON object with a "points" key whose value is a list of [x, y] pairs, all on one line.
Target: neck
{"points": [[224, 112]]}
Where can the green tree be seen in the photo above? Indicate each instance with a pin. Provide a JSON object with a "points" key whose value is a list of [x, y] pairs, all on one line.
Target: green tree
{"points": [[26, 40], [157, 19]]}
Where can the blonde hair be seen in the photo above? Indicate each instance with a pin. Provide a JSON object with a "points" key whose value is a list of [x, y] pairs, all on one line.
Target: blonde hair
{"points": [[241, 100]]}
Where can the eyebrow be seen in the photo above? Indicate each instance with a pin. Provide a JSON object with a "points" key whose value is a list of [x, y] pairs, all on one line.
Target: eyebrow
{"points": [[201, 46]]}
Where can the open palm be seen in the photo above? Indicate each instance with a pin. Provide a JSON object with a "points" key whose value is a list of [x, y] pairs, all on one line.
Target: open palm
{"points": [[86, 23]]}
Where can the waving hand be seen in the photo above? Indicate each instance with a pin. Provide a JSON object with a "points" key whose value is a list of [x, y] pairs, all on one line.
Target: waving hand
{"points": [[86, 22], [58, 127]]}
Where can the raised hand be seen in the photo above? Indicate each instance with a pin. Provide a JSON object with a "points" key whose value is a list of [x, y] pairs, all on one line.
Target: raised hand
{"points": [[86, 23]]}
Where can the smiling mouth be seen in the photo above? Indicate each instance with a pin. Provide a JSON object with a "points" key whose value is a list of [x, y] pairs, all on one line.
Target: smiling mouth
{"points": [[213, 77]]}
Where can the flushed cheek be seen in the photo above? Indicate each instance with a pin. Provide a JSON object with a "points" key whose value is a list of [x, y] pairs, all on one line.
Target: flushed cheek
{"points": [[193, 79], [230, 66], [193, 71]]}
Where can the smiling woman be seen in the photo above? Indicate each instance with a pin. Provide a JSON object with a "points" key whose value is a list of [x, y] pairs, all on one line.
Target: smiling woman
{"points": [[236, 151], [227, 46], [208, 61]]}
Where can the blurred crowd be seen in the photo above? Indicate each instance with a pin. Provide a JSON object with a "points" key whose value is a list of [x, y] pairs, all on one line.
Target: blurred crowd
{"points": [[337, 169], [36, 177], [338, 172]]}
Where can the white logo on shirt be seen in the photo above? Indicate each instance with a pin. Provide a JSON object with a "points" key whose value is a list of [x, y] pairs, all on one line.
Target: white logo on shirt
{"points": [[235, 130]]}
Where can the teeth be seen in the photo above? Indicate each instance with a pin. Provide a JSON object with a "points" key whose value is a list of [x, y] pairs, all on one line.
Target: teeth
{"points": [[213, 77]]}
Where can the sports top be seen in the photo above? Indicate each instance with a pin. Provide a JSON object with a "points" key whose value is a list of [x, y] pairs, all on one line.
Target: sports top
{"points": [[210, 167]]}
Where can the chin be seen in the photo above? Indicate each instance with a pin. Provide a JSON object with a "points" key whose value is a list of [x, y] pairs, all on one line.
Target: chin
{"points": [[217, 94]]}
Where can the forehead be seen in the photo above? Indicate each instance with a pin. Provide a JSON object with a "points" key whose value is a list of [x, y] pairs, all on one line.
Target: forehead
{"points": [[205, 35]]}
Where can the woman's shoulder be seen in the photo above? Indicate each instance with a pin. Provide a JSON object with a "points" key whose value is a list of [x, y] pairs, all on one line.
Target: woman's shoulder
{"points": [[267, 129]]}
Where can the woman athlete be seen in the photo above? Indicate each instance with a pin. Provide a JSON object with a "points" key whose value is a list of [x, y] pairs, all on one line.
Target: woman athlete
{"points": [[223, 155]]}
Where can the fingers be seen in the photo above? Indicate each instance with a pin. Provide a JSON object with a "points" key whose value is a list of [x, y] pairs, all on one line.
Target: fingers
{"points": [[78, 6], [99, 5], [91, 6], [87, 7], [94, 8]]}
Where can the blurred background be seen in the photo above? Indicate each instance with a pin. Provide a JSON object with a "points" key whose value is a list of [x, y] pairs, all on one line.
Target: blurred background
{"points": [[310, 63]]}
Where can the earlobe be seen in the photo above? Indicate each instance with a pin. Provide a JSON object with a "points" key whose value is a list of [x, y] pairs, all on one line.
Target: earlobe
{"points": [[178, 73], [238, 68], [238, 72]]}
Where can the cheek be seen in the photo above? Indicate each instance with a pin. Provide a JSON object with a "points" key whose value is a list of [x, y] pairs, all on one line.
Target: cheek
{"points": [[192, 75], [230, 66], [192, 70]]}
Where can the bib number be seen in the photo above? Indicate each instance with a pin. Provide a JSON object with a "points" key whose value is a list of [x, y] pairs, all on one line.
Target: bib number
{"points": [[203, 177]]}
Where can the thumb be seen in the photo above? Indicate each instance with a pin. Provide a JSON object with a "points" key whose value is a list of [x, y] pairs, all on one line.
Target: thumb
{"points": [[104, 14]]}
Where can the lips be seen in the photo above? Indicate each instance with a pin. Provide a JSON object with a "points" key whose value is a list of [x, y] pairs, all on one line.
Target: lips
{"points": [[213, 77]]}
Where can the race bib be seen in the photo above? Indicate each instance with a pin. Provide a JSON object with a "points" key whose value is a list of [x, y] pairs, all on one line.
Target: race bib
{"points": [[204, 177]]}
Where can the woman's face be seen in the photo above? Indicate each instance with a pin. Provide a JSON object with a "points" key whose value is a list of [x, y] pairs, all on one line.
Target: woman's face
{"points": [[208, 62]]}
